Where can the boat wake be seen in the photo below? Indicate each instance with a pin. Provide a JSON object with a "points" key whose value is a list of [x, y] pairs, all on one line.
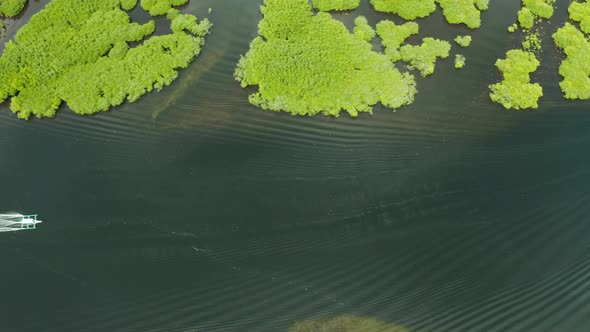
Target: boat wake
{"points": [[10, 222]]}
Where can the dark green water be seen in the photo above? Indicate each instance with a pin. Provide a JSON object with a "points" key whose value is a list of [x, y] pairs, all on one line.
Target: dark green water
{"points": [[193, 211]]}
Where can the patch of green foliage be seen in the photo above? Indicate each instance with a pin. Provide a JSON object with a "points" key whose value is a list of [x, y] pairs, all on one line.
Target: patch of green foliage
{"points": [[580, 12], [362, 29], [526, 19], [540, 8], [532, 42], [407, 9], [328, 5], [346, 323], [463, 11], [533, 9], [11, 8], [513, 27], [515, 91], [482, 4], [393, 36], [463, 41], [459, 61], [78, 52], [575, 68], [423, 57], [307, 64], [455, 11], [159, 7]]}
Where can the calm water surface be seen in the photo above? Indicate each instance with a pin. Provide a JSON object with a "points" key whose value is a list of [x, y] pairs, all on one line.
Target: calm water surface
{"points": [[193, 211]]}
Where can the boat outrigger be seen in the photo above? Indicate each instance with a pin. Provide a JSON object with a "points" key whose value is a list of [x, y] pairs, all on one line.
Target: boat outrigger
{"points": [[16, 222]]}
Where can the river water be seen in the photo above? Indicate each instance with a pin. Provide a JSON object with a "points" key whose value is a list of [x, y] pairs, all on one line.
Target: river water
{"points": [[191, 210]]}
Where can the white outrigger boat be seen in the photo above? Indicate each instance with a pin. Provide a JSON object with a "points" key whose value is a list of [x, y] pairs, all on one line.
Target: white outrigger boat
{"points": [[11, 222]]}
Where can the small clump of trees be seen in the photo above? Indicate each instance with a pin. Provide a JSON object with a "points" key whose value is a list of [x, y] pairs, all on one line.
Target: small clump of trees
{"points": [[515, 90], [463, 41]]}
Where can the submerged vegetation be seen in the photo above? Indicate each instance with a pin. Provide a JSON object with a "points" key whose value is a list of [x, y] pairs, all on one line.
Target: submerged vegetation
{"points": [[307, 64], [346, 323], [79, 53], [11, 8], [516, 91]]}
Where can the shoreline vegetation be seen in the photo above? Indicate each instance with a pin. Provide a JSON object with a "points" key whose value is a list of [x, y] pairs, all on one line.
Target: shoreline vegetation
{"points": [[304, 61], [80, 54]]}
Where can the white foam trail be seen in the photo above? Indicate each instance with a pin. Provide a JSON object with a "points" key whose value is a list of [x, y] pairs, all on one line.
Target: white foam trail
{"points": [[13, 221]]}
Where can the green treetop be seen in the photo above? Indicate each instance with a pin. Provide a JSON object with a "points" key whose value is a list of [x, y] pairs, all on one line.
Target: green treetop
{"points": [[160, 7], [11, 8], [463, 11], [455, 11], [393, 36], [408, 9], [459, 61], [328, 5], [362, 29], [423, 57], [463, 41], [533, 9], [540, 8]]}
